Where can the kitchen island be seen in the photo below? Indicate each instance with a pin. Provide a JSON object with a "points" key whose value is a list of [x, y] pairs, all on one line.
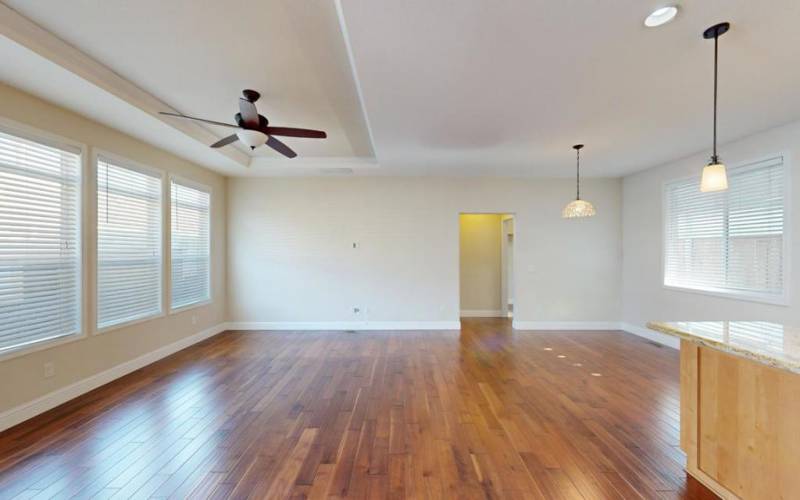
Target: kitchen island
{"points": [[740, 406]]}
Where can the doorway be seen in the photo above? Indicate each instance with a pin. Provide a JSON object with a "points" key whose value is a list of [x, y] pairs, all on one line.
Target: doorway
{"points": [[486, 265]]}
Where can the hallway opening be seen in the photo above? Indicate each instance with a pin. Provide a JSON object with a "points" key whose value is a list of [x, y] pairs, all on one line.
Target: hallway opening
{"points": [[486, 265]]}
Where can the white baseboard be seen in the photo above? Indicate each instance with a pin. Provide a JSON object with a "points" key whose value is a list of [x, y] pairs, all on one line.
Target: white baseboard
{"points": [[565, 325], [343, 325], [639, 331], [25, 411], [482, 313], [653, 335]]}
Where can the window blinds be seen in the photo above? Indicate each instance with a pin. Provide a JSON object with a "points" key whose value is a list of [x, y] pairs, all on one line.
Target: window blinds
{"points": [[40, 244], [128, 244], [729, 241], [190, 268]]}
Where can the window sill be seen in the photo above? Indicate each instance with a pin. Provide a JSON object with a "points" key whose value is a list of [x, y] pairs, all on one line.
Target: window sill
{"points": [[762, 299], [189, 307], [40, 346], [132, 322]]}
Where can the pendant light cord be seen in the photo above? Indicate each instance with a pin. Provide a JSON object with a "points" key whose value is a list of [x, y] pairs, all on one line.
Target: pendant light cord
{"points": [[714, 158], [578, 168]]}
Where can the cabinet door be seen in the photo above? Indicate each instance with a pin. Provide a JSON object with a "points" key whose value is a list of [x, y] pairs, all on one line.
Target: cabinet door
{"points": [[749, 426]]}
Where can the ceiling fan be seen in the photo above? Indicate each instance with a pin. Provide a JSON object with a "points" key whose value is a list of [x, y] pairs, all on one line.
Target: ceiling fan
{"points": [[254, 129]]}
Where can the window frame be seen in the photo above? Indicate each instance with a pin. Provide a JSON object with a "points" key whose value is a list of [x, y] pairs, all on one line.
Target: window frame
{"points": [[50, 139], [168, 294], [97, 155], [763, 298]]}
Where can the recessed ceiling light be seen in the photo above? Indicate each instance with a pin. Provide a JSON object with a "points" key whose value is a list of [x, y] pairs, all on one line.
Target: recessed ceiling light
{"points": [[661, 16]]}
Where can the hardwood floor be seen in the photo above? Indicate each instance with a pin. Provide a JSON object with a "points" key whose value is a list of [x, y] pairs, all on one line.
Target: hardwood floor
{"points": [[484, 413]]}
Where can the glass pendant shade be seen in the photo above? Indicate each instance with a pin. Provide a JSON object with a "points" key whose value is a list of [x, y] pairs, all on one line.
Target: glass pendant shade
{"points": [[714, 178], [251, 138], [578, 208]]}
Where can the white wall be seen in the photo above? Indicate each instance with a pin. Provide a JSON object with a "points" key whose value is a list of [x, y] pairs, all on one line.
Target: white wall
{"points": [[480, 266], [291, 261], [644, 297]]}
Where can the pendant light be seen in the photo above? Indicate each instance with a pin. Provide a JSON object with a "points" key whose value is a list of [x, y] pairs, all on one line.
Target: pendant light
{"points": [[714, 176], [578, 207]]}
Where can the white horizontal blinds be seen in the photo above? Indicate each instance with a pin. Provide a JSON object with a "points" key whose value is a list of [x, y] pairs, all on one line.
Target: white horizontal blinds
{"points": [[128, 244], [191, 254], [695, 236], [40, 245], [755, 228], [728, 241]]}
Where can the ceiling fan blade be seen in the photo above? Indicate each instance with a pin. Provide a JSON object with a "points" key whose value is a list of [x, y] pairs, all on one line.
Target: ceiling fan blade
{"points": [[249, 113], [225, 141], [212, 122], [296, 132], [280, 147]]}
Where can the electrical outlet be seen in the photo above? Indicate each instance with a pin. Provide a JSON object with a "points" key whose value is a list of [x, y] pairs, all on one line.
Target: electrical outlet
{"points": [[356, 310], [49, 370], [194, 319]]}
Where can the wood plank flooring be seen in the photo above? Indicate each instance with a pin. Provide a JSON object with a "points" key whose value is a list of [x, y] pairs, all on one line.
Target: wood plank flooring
{"points": [[481, 413]]}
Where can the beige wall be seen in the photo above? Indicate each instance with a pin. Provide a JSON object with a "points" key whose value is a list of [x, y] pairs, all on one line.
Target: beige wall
{"points": [[480, 270], [291, 260], [22, 376]]}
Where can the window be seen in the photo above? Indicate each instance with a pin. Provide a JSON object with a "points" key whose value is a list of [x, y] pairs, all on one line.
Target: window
{"points": [[190, 254], [128, 243], [40, 243], [730, 242]]}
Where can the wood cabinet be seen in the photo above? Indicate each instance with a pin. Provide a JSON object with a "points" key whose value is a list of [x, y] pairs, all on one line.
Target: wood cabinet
{"points": [[740, 424]]}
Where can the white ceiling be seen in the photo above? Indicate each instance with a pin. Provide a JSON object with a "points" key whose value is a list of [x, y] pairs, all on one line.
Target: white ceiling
{"points": [[197, 57], [451, 87]]}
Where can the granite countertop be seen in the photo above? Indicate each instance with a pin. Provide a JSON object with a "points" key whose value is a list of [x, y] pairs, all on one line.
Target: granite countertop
{"points": [[771, 344]]}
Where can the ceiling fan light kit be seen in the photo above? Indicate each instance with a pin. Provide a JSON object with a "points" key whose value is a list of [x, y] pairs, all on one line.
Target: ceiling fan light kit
{"points": [[715, 177], [253, 129], [578, 207], [252, 138]]}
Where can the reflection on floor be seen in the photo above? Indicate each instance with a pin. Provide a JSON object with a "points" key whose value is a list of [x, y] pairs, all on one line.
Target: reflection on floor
{"points": [[480, 413]]}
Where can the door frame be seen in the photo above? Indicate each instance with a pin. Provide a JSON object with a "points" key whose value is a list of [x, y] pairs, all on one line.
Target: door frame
{"points": [[515, 217]]}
